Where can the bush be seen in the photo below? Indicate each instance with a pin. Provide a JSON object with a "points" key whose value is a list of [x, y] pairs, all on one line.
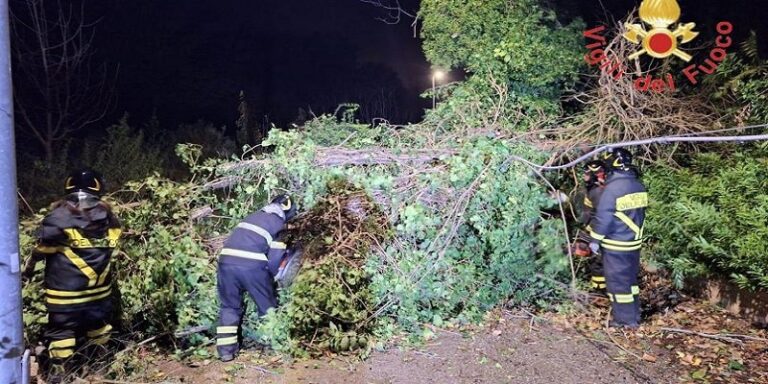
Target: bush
{"points": [[710, 218], [466, 235], [123, 155]]}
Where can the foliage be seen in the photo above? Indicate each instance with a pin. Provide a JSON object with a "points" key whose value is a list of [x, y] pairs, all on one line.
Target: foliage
{"points": [[712, 217], [514, 48], [468, 232], [124, 154], [331, 301], [740, 84], [467, 235], [40, 182]]}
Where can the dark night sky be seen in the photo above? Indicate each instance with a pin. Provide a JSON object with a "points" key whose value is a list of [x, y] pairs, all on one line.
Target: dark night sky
{"points": [[188, 59]]}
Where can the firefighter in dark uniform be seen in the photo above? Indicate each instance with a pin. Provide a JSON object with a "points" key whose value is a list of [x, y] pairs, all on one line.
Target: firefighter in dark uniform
{"points": [[617, 232], [594, 178], [249, 261], [77, 240]]}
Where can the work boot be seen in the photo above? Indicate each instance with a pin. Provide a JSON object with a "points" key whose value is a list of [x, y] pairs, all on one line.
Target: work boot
{"points": [[615, 324], [226, 358], [55, 374]]}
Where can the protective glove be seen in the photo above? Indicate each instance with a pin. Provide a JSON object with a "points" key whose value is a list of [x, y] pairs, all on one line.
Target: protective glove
{"points": [[594, 247]]}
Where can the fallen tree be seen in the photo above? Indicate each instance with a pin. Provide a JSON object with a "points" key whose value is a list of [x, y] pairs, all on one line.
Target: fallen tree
{"points": [[458, 234]]}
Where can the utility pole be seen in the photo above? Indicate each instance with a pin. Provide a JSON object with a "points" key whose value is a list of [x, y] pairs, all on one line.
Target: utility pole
{"points": [[11, 342]]}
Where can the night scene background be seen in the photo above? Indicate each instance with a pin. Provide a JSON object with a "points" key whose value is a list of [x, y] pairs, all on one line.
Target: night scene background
{"points": [[174, 63], [418, 211]]}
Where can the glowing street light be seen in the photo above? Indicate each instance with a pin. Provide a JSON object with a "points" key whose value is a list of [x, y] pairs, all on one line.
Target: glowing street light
{"points": [[436, 75]]}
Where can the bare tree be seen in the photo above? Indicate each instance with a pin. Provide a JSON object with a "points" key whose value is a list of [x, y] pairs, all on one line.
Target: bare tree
{"points": [[57, 89], [395, 12]]}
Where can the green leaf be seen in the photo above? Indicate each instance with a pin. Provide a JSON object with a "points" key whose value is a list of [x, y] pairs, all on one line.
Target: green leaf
{"points": [[699, 374]]}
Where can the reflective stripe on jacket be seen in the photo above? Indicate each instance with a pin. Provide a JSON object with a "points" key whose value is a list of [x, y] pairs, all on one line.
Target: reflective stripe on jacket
{"points": [[255, 238], [78, 245], [620, 214]]}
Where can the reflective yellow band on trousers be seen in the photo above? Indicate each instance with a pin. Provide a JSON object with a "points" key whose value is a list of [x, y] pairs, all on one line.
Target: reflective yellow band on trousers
{"points": [[226, 329], [51, 300], [635, 290], [598, 279], [622, 298], [100, 331], [62, 343], [226, 340], [54, 292]]}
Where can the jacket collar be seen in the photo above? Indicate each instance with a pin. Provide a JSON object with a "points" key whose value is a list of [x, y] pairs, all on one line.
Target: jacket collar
{"points": [[620, 174], [274, 209]]}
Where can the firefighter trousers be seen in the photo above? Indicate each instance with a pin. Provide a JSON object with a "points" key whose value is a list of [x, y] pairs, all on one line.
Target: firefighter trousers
{"points": [[597, 280], [233, 281], [68, 330], [596, 270], [621, 274]]}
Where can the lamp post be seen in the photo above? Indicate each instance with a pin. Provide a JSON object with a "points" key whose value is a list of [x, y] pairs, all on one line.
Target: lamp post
{"points": [[11, 343], [436, 75]]}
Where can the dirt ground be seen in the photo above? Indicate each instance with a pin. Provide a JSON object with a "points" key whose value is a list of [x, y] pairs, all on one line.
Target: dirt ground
{"points": [[510, 350]]}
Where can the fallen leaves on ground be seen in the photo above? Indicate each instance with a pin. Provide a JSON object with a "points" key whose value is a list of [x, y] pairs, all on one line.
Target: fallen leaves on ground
{"points": [[709, 344]]}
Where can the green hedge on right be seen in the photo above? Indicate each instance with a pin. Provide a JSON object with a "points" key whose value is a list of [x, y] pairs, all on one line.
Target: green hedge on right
{"points": [[711, 217]]}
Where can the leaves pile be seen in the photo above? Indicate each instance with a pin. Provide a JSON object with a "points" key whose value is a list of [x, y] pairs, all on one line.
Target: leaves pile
{"points": [[709, 344], [330, 305]]}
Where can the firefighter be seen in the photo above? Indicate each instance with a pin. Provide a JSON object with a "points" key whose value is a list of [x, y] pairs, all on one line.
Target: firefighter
{"points": [[594, 179], [617, 233], [77, 240], [249, 261]]}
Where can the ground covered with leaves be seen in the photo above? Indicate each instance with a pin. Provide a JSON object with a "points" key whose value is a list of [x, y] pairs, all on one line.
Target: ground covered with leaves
{"points": [[690, 343], [704, 343]]}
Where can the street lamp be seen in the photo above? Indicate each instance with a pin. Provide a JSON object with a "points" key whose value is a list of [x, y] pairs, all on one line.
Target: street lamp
{"points": [[436, 75]]}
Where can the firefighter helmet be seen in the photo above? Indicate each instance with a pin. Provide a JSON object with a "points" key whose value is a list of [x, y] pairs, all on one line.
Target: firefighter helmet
{"points": [[287, 205], [84, 180], [594, 172], [617, 158]]}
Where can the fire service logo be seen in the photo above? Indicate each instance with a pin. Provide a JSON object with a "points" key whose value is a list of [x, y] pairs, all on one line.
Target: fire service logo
{"points": [[656, 39]]}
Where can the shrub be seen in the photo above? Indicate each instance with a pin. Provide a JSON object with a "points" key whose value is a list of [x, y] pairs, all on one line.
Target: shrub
{"points": [[710, 218], [467, 234]]}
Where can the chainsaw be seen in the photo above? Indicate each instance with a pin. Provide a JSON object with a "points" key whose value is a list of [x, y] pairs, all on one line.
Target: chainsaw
{"points": [[289, 266]]}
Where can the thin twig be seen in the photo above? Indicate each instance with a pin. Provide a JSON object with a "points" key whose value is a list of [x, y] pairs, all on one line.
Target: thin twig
{"points": [[263, 370], [719, 337]]}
